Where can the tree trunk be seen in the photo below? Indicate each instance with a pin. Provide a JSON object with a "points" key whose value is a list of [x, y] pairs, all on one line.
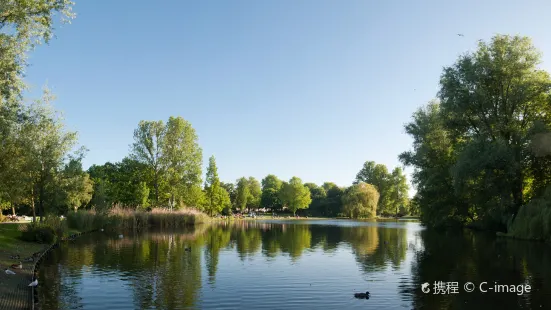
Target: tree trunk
{"points": [[12, 209], [32, 205], [156, 188], [41, 203]]}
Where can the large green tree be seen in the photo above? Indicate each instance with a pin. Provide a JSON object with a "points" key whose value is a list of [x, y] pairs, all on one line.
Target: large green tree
{"points": [[360, 200], [148, 149], [181, 159], [255, 192], [294, 195], [473, 154], [76, 184], [23, 25], [243, 194], [217, 198], [491, 99], [378, 176], [399, 189], [46, 145], [270, 189]]}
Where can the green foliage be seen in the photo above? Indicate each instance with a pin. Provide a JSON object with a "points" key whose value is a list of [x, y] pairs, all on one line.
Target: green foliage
{"points": [[242, 194], [477, 153], [37, 232], [270, 189], [294, 195], [253, 201], [393, 187], [217, 198], [181, 158], [173, 158], [124, 183], [23, 25], [534, 219], [232, 193], [360, 200]]}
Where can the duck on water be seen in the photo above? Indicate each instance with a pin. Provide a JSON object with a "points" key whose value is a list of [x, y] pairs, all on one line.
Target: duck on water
{"points": [[362, 295]]}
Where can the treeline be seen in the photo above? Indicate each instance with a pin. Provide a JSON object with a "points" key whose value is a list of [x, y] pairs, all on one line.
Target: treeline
{"points": [[482, 150], [38, 168], [151, 177]]}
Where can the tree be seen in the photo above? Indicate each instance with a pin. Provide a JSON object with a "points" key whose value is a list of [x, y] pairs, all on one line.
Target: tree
{"points": [[490, 100], [319, 199], [216, 196], [295, 195], [253, 201], [270, 188], [147, 149], [46, 144], [124, 183], [76, 184], [378, 176], [182, 159], [230, 188], [332, 204], [24, 24], [399, 191], [432, 158], [242, 194], [361, 200]]}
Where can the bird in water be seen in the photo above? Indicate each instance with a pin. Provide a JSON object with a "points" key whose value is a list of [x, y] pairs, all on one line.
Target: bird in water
{"points": [[362, 295], [34, 283], [15, 256], [188, 249], [17, 266], [29, 259], [101, 229], [9, 271]]}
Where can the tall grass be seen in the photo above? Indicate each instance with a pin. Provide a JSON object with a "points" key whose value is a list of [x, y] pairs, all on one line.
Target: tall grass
{"points": [[126, 219], [533, 220]]}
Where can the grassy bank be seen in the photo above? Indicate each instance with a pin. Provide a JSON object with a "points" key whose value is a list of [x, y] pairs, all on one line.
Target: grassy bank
{"points": [[124, 219]]}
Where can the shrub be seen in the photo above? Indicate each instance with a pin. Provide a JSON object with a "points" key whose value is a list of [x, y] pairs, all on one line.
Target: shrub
{"points": [[37, 232], [533, 220]]}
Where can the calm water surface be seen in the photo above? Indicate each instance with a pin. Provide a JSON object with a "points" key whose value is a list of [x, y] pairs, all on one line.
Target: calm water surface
{"points": [[293, 265]]}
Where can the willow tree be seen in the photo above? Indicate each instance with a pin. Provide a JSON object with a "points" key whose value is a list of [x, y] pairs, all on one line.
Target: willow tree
{"points": [[378, 176], [360, 200]]}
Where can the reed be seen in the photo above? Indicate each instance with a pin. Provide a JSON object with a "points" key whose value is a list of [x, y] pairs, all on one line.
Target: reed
{"points": [[127, 219]]}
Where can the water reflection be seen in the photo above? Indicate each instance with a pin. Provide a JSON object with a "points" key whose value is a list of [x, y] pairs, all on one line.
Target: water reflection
{"points": [[312, 264]]}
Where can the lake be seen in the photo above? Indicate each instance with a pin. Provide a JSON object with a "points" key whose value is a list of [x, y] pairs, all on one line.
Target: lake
{"points": [[295, 264]]}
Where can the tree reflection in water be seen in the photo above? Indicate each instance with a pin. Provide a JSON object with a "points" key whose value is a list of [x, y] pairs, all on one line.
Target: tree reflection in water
{"points": [[160, 273]]}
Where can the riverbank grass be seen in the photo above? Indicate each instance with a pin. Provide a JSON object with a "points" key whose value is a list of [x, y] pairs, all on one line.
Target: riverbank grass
{"points": [[126, 219]]}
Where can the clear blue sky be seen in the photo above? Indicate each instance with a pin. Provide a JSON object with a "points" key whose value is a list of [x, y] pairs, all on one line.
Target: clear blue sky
{"points": [[307, 88]]}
